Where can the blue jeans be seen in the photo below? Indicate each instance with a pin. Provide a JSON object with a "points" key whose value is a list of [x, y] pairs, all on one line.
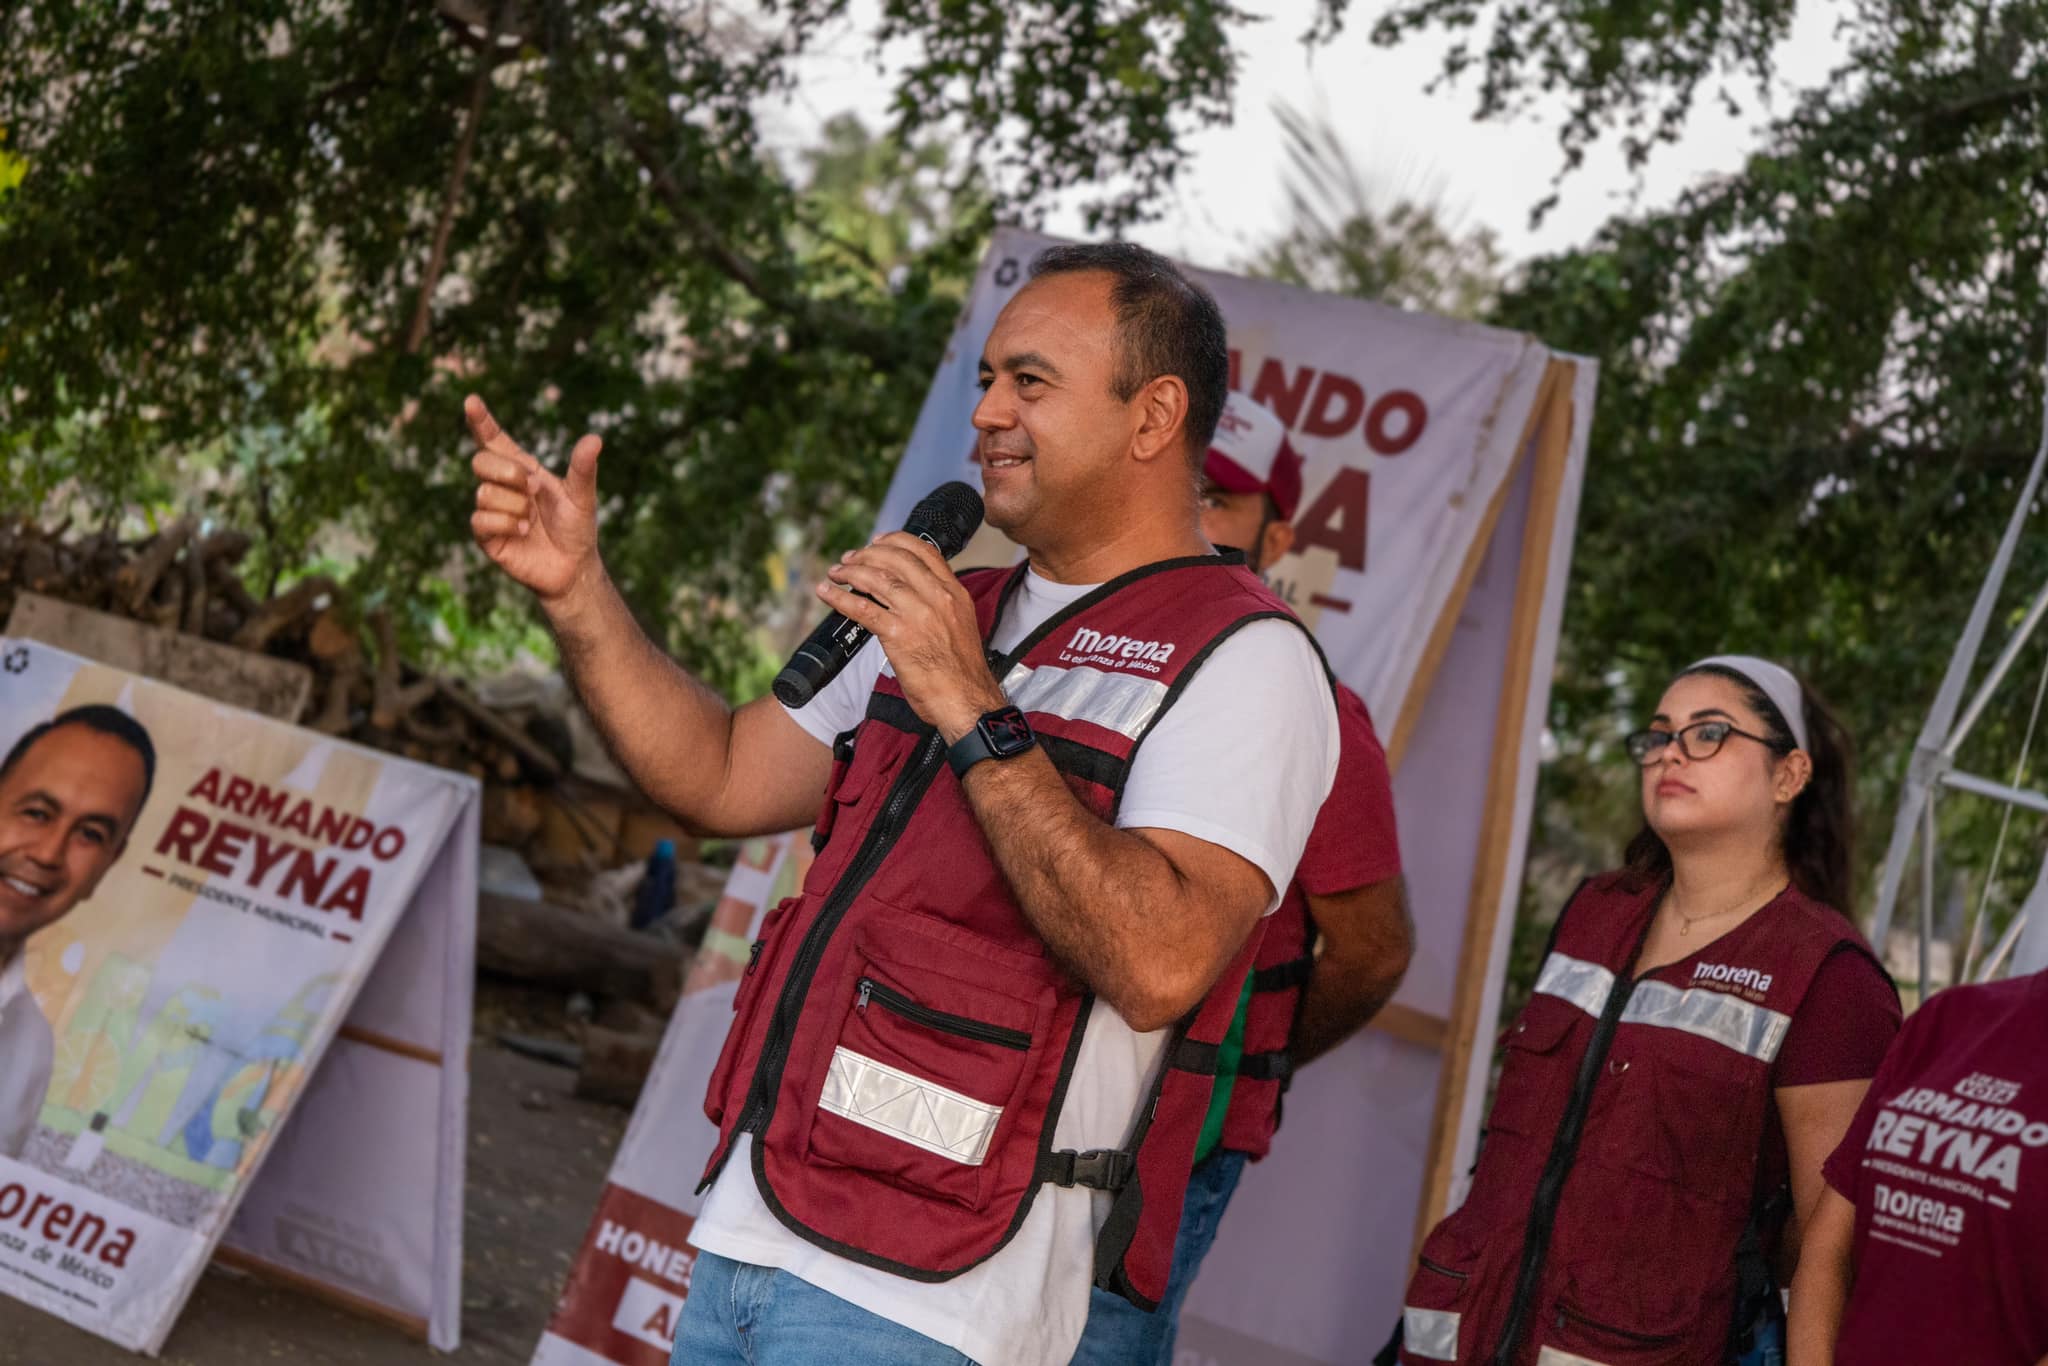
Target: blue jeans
{"points": [[1121, 1334], [1769, 1349], [738, 1314]]}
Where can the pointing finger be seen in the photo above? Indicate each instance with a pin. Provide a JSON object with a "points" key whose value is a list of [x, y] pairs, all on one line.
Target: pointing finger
{"points": [[489, 434]]}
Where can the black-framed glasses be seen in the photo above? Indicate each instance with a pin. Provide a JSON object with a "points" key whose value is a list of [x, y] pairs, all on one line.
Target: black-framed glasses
{"points": [[1700, 740]]}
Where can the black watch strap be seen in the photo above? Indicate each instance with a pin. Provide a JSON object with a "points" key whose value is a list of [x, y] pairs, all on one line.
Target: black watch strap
{"points": [[1000, 734]]}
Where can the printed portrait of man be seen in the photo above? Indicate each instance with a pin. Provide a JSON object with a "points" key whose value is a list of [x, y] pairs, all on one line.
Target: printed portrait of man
{"points": [[70, 792]]}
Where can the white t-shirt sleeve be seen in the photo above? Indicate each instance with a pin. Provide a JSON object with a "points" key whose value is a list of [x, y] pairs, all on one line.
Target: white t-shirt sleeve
{"points": [[839, 706], [1246, 755]]}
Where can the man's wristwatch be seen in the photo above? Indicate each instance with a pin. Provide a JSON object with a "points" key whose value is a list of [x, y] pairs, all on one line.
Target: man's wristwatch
{"points": [[1000, 734]]}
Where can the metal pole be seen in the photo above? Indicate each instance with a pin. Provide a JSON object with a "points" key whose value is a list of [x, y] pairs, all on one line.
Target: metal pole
{"points": [[1927, 751], [1905, 833], [2035, 904], [1999, 669], [1926, 893], [2025, 798]]}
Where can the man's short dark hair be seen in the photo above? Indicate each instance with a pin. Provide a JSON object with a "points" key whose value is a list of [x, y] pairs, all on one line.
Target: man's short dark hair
{"points": [[107, 721], [1166, 325]]}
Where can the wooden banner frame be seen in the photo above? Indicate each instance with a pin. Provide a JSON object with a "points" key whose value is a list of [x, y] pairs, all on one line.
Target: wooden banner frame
{"points": [[1547, 442]]}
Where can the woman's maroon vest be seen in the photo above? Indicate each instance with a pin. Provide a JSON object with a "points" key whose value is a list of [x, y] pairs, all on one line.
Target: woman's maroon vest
{"points": [[1619, 1170]]}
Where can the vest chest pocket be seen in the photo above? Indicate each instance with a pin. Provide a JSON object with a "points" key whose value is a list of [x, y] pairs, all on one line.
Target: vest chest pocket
{"points": [[925, 1072], [1693, 1123], [857, 758], [1535, 1079]]}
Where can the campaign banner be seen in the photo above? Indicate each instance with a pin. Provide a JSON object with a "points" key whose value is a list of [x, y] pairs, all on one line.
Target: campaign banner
{"points": [[1441, 463], [633, 1272], [191, 900]]}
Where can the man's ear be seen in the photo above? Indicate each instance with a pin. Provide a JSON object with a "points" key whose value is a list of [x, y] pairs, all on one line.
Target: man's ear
{"points": [[1279, 540], [1162, 407]]}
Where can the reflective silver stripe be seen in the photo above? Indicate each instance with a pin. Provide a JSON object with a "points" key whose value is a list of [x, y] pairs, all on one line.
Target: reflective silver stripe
{"points": [[1550, 1356], [919, 1112], [1429, 1333], [1585, 985], [1124, 703], [1748, 1028]]}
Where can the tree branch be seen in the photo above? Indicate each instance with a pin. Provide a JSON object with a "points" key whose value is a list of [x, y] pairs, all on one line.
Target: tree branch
{"points": [[437, 256]]}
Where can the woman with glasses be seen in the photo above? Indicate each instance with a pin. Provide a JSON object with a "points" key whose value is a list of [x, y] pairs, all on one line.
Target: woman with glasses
{"points": [[1702, 1030]]}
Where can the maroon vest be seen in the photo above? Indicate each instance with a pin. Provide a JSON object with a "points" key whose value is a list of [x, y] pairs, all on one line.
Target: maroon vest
{"points": [[1279, 979], [903, 1041], [1620, 1165]]}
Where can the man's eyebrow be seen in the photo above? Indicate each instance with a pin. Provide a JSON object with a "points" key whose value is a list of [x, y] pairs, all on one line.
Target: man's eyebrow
{"points": [[1026, 360]]}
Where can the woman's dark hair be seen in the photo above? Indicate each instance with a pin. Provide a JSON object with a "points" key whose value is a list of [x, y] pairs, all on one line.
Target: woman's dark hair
{"points": [[1820, 833]]}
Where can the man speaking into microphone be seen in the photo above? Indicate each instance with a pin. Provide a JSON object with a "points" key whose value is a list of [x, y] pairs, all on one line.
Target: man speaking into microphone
{"points": [[969, 1063]]}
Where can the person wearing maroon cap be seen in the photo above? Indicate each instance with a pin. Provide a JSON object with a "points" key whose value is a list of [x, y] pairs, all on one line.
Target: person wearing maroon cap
{"points": [[1251, 483], [1931, 1240], [1344, 923]]}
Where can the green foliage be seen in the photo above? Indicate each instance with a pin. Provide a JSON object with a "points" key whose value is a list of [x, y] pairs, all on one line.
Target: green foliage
{"points": [[1821, 376], [1342, 241], [220, 278], [1628, 68]]}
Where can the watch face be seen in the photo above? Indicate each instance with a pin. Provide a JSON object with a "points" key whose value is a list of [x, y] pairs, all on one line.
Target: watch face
{"points": [[1006, 731]]}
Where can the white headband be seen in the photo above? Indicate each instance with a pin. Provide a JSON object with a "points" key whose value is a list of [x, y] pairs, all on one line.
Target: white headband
{"points": [[1775, 681]]}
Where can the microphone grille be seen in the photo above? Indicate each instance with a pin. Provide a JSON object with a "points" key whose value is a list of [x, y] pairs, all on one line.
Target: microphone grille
{"points": [[950, 514]]}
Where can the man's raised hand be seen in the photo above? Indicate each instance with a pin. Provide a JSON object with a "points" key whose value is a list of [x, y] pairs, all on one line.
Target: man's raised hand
{"points": [[538, 527]]}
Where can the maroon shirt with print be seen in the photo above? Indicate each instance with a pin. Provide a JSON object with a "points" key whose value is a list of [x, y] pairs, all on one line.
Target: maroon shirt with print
{"points": [[1947, 1165]]}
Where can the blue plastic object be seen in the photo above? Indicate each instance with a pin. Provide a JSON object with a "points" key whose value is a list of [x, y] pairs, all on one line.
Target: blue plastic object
{"points": [[657, 892]]}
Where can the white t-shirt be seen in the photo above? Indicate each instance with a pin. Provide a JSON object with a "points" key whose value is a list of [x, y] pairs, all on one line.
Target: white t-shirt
{"points": [[27, 1053], [1244, 760]]}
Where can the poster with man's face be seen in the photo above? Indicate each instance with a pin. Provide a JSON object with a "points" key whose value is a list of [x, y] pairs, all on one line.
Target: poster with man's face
{"points": [[72, 787], [190, 895]]}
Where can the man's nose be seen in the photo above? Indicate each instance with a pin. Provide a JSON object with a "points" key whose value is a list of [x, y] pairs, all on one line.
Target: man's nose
{"points": [[995, 412], [46, 847]]}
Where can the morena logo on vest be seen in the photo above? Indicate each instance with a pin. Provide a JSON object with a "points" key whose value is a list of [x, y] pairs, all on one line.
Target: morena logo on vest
{"points": [[1119, 652], [1721, 973]]}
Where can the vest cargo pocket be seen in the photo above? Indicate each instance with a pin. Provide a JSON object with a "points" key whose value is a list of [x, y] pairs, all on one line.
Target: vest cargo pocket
{"points": [[926, 1067], [1433, 1310], [1574, 1335], [748, 1002]]}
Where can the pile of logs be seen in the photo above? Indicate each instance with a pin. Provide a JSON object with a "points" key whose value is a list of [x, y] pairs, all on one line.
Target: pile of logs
{"points": [[185, 579]]}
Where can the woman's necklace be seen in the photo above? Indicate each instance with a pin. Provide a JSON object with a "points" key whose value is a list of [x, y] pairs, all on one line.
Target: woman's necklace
{"points": [[1686, 922]]}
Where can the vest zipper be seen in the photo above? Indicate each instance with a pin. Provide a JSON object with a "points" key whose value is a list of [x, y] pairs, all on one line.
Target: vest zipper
{"points": [[881, 837], [1563, 1150], [896, 1003]]}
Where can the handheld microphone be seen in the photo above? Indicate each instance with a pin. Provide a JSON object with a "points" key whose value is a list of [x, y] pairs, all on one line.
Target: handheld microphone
{"points": [[945, 519]]}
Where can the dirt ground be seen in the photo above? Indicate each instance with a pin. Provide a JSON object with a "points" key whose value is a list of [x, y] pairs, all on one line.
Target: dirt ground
{"points": [[537, 1159]]}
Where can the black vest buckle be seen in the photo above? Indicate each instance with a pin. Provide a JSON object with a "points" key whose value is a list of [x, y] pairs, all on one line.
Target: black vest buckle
{"points": [[1103, 1169]]}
